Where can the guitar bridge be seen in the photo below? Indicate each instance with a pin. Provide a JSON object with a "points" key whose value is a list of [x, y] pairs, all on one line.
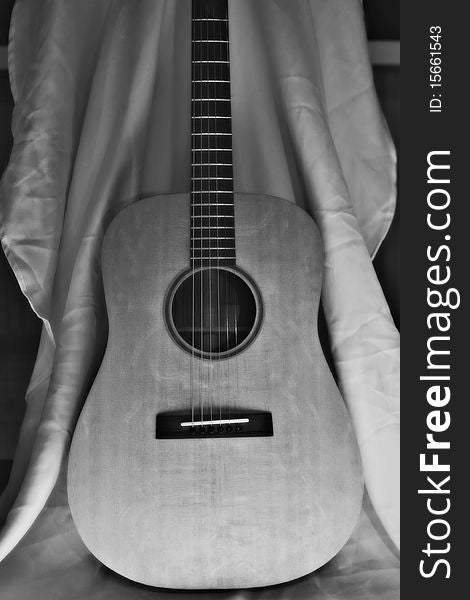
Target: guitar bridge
{"points": [[172, 426]]}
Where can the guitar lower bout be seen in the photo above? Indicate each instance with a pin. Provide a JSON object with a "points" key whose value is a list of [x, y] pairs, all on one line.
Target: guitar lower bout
{"points": [[202, 508]]}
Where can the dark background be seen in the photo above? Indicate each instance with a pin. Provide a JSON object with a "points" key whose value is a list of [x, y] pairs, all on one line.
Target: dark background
{"points": [[20, 328]]}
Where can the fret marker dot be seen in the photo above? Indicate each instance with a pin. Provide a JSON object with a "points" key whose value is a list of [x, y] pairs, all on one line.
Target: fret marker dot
{"points": [[447, 237]]}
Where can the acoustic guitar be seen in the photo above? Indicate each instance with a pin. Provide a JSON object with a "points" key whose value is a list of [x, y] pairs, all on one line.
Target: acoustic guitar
{"points": [[214, 450]]}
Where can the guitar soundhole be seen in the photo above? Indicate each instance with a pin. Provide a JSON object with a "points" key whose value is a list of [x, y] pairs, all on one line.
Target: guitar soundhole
{"points": [[214, 312]]}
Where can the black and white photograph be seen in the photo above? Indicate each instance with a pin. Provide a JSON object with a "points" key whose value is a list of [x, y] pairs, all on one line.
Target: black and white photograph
{"points": [[200, 301]]}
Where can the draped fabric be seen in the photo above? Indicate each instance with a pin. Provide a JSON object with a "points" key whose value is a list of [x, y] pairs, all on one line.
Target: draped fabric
{"points": [[101, 118]]}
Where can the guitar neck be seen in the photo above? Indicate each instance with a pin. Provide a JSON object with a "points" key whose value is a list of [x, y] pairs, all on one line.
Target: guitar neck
{"points": [[212, 205]]}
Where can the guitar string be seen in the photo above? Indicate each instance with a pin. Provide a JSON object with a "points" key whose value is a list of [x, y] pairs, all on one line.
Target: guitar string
{"points": [[209, 270], [193, 173], [216, 160], [227, 291], [226, 299], [234, 295], [204, 50], [201, 272], [204, 104], [216, 68]]}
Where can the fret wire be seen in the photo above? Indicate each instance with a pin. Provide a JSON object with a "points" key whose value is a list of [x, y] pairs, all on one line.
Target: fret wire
{"points": [[213, 260], [212, 257]]}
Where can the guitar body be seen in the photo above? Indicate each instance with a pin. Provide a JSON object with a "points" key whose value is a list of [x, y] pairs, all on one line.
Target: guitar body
{"points": [[227, 512]]}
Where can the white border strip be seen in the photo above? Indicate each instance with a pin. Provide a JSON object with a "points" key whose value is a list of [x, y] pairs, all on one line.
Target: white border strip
{"points": [[386, 52]]}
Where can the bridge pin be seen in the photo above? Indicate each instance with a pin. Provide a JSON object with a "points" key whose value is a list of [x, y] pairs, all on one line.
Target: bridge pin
{"points": [[220, 429], [211, 429], [229, 429]]}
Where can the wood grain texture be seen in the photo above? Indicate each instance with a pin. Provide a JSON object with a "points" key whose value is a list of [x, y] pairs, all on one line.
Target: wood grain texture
{"points": [[214, 513]]}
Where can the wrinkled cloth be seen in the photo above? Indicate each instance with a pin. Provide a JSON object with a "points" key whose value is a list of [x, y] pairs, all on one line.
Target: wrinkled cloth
{"points": [[52, 562], [101, 118]]}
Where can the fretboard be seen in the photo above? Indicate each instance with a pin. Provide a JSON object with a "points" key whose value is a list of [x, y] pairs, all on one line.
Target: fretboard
{"points": [[212, 206]]}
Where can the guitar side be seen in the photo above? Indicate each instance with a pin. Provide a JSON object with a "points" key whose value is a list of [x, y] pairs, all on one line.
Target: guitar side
{"points": [[214, 513]]}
